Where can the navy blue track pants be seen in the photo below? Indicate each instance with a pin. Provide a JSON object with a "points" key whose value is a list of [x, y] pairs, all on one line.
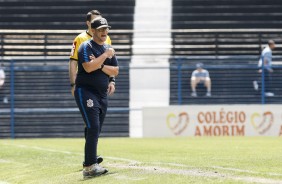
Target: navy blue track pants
{"points": [[93, 111]]}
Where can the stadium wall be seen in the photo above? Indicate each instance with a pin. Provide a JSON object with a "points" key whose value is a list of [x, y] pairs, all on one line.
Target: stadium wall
{"points": [[213, 120]]}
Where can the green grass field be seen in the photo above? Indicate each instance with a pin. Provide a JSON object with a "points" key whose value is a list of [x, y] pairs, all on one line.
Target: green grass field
{"points": [[145, 161]]}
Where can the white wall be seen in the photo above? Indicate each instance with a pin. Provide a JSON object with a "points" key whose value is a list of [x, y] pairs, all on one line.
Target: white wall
{"points": [[212, 120], [149, 68]]}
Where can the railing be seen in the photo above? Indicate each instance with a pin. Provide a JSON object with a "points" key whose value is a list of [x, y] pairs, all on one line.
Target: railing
{"points": [[181, 70], [217, 42], [187, 42], [28, 99], [46, 43]]}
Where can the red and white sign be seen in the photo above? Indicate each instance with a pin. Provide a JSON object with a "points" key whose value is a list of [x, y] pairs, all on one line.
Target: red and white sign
{"points": [[213, 120]]}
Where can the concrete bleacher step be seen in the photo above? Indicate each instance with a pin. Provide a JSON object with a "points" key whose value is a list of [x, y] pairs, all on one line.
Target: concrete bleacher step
{"points": [[56, 14], [205, 14]]}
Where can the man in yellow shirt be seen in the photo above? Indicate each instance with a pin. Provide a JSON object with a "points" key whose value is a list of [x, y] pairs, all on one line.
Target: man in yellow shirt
{"points": [[84, 36]]}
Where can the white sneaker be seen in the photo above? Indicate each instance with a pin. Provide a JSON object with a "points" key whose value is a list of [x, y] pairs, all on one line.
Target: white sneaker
{"points": [[93, 171], [269, 94], [5, 100], [208, 94], [255, 84], [194, 94]]}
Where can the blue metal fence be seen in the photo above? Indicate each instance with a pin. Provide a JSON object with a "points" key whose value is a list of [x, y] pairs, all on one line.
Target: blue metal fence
{"points": [[181, 67], [13, 67]]}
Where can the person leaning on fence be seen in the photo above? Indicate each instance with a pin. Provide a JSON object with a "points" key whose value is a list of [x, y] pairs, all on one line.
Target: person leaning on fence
{"points": [[200, 76], [266, 55], [96, 62]]}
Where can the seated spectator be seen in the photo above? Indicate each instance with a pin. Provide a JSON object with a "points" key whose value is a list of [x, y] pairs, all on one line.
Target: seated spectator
{"points": [[200, 76], [2, 77]]}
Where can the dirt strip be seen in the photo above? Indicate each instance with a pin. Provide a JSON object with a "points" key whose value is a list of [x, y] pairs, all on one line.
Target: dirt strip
{"points": [[195, 172]]}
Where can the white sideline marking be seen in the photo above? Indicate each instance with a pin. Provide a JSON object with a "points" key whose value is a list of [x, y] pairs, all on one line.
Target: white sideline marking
{"points": [[4, 161], [45, 149], [169, 163], [131, 162], [68, 152], [161, 170], [41, 149], [215, 167], [245, 171], [194, 172], [3, 182], [124, 177]]}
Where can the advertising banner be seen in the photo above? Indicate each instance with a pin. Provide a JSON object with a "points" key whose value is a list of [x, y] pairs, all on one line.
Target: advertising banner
{"points": [[213, 120]]}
